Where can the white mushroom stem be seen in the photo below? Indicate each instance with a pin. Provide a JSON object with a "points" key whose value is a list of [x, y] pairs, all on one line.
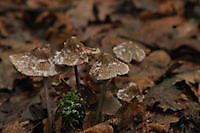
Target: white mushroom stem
{"points": [[50, 119], [77, 77]]}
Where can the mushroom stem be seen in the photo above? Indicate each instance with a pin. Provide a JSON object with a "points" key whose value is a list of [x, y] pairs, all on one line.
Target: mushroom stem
{"points": [[101, 102], [46, 87], [77, 77]]}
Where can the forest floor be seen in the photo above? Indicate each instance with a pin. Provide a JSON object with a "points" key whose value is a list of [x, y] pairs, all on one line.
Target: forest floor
{"points": [[163, 89]]}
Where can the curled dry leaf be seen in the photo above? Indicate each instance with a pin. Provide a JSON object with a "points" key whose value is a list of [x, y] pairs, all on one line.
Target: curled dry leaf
{"points": [[74, 53], [35, 63], [191, 78], [129, 51], [108, 67]]}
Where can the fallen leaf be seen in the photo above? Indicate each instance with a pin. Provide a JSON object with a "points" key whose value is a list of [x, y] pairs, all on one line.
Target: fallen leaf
{"points": [[165, 8], [157, 126], [75, 13], [100, 128], [150, 70], [152, 34], [15, 127]]}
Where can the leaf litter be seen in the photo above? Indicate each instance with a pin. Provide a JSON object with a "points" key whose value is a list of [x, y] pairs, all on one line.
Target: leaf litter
{"points": [[159, 93]]}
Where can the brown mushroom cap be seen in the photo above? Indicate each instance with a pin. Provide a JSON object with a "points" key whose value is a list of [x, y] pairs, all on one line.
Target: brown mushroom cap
{"points": [[108, 67], [35, 63], [74, 53], [129, 51], [128, 92]]}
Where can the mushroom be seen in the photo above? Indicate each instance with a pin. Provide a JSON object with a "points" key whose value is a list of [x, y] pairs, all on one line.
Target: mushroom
{"points": [[38, 62], [129, 51], [35, 63], [106, 68], [129, 92], [74, 53]]}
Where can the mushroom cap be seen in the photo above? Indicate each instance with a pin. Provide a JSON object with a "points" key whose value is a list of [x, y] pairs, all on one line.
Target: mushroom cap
{"points": [[108, 67], [74, 53], [35, 63], [129, 51], [128, 92]]}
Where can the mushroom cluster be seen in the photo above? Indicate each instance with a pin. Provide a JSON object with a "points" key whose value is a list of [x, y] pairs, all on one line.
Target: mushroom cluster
{"points": [[46, 62], [73, 54], [108, 67]]}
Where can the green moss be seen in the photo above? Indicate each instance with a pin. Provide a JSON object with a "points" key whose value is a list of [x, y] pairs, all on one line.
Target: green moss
{"points": [[72, 110]]}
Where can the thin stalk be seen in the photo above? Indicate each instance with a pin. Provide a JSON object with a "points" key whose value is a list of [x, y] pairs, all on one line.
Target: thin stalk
{"points": [[77, 77], [46, 87], [101, 102]]}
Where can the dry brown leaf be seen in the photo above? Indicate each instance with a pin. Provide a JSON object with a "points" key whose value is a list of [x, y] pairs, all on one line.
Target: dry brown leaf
{"points": [[150, 70], [128, 113], [157, 126], [15, 127], [166, 8], [165, 96], [76, 13], [100, 128], [152, 33]]}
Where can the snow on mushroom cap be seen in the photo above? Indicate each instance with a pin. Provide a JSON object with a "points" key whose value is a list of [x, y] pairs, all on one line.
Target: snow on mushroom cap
{"points": [[73, 53], [108, 67], [129, 51], [32, 65]]}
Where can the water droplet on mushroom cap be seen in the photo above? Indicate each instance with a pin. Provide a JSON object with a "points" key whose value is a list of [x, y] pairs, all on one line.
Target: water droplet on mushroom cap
{"points": [[108, 67], [74, 53], [35, 63], [129, 51]]}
